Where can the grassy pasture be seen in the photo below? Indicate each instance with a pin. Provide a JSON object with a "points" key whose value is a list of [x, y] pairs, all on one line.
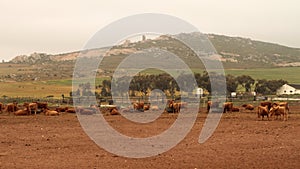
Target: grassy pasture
{"points": [[64, 86], [33, 89], [39, 89], [290, 74]]}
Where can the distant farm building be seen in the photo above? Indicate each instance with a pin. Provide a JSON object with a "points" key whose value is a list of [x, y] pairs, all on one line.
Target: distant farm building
{"points": [[288, 89]]}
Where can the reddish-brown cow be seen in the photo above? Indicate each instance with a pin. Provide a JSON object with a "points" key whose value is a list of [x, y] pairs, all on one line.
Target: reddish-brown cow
{"points": [[227, 107], [262, 111]]}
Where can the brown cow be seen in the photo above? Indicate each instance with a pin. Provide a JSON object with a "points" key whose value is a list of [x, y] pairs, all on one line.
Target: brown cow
{"points": [[32, 106], [279, 110], [147, 107], [174, 107], [211, 104], [48, 112], [266, 103], [1, 107], [235, 109], [21, 112], [282, 104], [154, 108], [138, 106], [61, 109], [248, 106], [11, 107], [86, 111], [42, 105], [70, 110], [227, 107], [262, 111], [114, 112]]}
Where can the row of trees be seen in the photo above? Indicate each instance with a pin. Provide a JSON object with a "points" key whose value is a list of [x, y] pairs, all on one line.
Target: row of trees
{"points": [[168, 84]]}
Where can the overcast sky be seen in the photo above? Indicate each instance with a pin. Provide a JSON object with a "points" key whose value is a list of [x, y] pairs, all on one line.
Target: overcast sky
{"points": [[59, 26]]}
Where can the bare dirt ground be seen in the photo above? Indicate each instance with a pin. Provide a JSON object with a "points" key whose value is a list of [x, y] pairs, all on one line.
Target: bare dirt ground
{"points": [[240, 141]]}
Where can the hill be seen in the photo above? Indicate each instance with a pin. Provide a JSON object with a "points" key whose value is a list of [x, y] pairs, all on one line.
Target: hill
{"points": [[251, 53], [236, 52]]}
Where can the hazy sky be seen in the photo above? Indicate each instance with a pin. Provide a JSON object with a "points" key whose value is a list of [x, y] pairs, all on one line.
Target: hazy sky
{"points": [[59, 26]]}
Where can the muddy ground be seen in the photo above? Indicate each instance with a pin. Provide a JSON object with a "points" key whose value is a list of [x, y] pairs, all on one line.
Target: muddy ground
{"points": [[240, 141]]}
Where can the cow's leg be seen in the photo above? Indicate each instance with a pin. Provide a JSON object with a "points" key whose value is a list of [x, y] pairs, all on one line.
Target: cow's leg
{"points": [[285, 117]]}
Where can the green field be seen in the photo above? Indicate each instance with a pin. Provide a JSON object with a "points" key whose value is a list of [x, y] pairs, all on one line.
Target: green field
{"points": [[290, 74], [33, 89], [58, 87], [39, 89]]}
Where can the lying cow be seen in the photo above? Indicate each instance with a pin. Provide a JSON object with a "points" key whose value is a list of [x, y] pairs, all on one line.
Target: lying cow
{"points": [[22, 112], [86, 111], [70, 110], [42, 105], [173, 107], [154, 108], [61, 109], [248, 106], [48, 112], [138, 106], [235, 109], [114, 112], [146, 106]]}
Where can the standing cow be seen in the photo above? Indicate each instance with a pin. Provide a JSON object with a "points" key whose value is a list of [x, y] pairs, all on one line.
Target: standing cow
{"points": [[1, 107], [266, 103], [227, 107], [11, 107], [262, 111], [278, 111]]}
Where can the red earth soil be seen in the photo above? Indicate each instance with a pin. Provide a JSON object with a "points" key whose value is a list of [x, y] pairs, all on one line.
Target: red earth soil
{"points": [[240, 141]]}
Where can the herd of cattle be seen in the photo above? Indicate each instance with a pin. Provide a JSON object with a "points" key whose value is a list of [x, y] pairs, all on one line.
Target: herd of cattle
{"points": [[28, 109], [266, 108]]}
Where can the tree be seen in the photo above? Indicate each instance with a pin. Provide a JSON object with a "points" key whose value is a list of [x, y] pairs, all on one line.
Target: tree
{"points": [[273, 85], [246, 81], [107, 85], [104, 92], [203, 80], [264, 86], [231, 83]]}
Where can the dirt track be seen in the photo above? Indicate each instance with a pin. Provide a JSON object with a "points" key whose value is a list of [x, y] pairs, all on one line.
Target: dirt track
{"points": [[240, 141]]}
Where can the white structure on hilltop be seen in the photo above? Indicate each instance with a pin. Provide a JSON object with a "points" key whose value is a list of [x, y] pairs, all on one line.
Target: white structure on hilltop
{"points": [[288, 89]]}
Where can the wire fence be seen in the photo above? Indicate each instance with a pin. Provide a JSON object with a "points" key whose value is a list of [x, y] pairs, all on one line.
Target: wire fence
{"points": [[158, 100]]}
